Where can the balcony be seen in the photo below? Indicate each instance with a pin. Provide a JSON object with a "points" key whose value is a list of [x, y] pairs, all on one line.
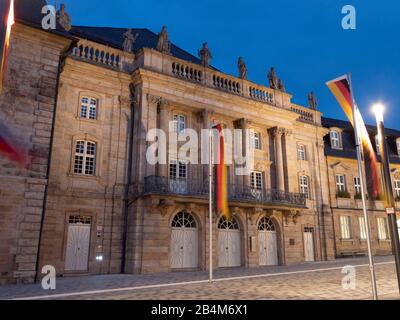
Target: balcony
{"points": [[156, 185]]}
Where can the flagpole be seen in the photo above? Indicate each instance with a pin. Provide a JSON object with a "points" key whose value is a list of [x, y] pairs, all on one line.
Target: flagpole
{"points": [[363, 189], [210, 179]]}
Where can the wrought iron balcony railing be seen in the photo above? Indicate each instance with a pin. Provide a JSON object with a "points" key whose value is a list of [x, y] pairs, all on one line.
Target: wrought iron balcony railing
{"points": [[197, 188]]}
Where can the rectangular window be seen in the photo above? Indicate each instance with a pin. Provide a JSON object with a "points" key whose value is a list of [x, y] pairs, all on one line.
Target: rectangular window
{"points": [[256, 180], [177, 169], [363, 232], [304, 187], [85, 158], [255, 140], [179, 123], [301, 152], [345, 227], [378, 146], [397, 188], [88, 108], [398, 148], [357, 185], [335, 140], [340, 183], [382, 228]]}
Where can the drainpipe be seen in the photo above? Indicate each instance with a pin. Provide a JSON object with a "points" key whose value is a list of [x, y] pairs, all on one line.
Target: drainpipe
{"points": [[129, 181], [61, 62]]}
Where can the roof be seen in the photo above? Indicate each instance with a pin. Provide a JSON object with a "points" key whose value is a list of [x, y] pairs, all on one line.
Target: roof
{"points": [[348, 141], [115, 37]]}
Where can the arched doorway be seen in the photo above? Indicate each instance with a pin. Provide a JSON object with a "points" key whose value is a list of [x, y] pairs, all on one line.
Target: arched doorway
{"points": [[267, 242], [228, 243], [184, 241]]}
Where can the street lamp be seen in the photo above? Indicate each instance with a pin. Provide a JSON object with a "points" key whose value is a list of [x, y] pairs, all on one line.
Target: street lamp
{"points": [[390, 204]]}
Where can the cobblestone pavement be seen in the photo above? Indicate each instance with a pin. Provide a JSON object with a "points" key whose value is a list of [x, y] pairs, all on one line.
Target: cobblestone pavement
{"points": [[319, 280]]}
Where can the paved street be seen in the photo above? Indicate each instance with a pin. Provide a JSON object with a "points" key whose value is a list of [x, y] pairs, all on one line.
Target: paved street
{"points": [[320, 280]]}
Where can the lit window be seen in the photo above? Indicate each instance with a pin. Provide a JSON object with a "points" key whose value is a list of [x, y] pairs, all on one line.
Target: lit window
{"points": [[177, 169], [382, 228], [88, 108], [340, 183], [255, 140], [345, 227], [179, 122], [378, 146], [256, 180], [357, 185], [301, 152], [335, 140], [85, 157], [304, 186], [363, 231], [397, 188]]}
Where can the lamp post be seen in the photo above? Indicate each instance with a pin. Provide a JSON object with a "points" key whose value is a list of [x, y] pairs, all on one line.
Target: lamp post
{"points": [[390, 204]]}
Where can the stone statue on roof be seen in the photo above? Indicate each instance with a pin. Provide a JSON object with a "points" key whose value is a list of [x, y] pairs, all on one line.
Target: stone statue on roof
{"points": [[281, 85], [312, 101], [242, 68], [205, 55], [129, 40], [164, 45], [63, 18], [273, 79]]}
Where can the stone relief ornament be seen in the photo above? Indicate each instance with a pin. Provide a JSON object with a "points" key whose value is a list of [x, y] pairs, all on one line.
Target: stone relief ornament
{"points": [[63, 18], [129, 40], [242, 68], [205, 55], [164, 45], [312, 101]]}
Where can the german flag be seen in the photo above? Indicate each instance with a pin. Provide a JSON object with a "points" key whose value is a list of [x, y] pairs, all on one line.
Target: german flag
{"points": [[11, 149], [221, 179], [341, 89], [7, 20]]}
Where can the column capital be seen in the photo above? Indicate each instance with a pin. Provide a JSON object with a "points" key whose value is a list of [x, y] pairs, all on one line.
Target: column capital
{"points": [[204, 115], [242, 123], [279, 131]]}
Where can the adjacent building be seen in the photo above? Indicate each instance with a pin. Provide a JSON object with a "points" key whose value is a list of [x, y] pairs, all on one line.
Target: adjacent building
{"points": [[83, 100]]}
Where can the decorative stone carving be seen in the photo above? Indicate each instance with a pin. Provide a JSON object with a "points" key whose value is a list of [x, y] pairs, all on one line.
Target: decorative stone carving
{"points": [[205, 55], [204, 114], [163, 206], [63, 18], [273, 79], [242, 123], [277, 131], [312, 101], [163, 44], [242, 68], [262, 165], [129, 40], [156, 100], [291, 215]]}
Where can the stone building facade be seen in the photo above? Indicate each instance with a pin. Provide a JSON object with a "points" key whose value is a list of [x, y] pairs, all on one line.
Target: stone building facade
{"points": [[83, 101]]}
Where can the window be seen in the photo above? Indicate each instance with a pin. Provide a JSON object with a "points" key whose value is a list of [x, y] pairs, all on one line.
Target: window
{"points": [[301, 152], [340, 183], [363, 231], [345, 227], [88, 108], [382, 228], [398, 147], [177, 169], [256, 180], [378, 146], [179, 123], [85, 157], [304, 188], [397, 188], [335, 140], [357, 186], [255, 140]]}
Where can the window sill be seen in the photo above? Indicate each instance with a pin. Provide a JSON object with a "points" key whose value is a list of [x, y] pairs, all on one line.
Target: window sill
{"points": [[83, 176]]}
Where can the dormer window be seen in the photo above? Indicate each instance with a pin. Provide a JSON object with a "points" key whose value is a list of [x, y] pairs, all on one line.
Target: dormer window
{"points": [[378, 145], [336, 141]]}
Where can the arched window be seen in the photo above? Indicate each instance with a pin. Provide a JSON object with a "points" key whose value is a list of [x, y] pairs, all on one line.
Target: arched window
{"points": [[85, 157], [88, 108], [231, 224], [266, 224], [183, 220]]}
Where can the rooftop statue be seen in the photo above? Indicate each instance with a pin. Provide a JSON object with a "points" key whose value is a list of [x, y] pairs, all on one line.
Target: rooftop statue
{"points": [[281, 85], [129, 40], [63, 18], [273, 79], [205, 55], [312, 101], [242, 68], [164, 45]]}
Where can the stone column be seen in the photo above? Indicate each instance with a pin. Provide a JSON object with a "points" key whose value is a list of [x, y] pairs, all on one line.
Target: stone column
{"points": [[163, 122], [280, 177]]}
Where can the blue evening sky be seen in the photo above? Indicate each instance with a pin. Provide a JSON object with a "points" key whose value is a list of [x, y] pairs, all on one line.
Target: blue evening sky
{"points": [[304, 40]]}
